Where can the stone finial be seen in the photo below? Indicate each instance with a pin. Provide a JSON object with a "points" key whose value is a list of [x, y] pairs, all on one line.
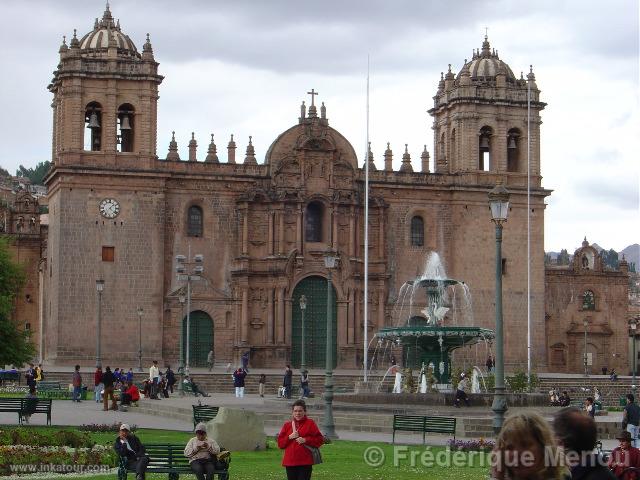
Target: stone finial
{"points": [[449, 75], [250, 158], [441, 83], [96, 25], [531, 77], [369, 159], [193, 146], [231, 151], [212, 154], [486, 48], [75, 43], [388, 159], [63, 48], [425, 160], [147, 49], [118, 25], [406, 166], [173, 154], [585, 243], [323, 111]]}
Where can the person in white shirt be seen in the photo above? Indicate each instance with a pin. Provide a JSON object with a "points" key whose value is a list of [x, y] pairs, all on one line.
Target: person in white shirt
{"points": [[154, 377]]}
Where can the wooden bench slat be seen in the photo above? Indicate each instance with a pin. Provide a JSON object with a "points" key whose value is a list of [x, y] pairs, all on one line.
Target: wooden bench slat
{"points": [[425, 424]]}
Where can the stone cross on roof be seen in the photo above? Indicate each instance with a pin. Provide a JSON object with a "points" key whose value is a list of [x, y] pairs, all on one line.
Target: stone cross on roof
{"points": [[313, 93]]}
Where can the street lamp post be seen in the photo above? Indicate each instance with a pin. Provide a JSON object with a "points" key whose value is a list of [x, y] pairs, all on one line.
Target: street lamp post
{"points": [[303, 307], [99, 288], [182, 299], [328, 425], [499, 204], [633, 324], [189, 270], [140, 311], [586, 367]]}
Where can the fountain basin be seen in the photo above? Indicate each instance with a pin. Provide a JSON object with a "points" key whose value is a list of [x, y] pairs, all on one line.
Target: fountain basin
{"points": [[441, 398]]}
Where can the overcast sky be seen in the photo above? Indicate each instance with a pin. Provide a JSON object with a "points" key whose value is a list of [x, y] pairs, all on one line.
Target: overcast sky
{"points": [[243, 67]]}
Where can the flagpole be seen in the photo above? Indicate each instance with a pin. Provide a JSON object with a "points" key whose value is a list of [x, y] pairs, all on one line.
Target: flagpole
{"points": [[366, 238], [529, 232]]}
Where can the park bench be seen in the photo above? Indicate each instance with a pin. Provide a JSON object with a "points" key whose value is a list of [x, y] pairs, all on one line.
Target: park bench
{"points": [[424, 424], [203, 413], [166, 458], [26, 406], [43, 386], [186, 388], [9, 376]]}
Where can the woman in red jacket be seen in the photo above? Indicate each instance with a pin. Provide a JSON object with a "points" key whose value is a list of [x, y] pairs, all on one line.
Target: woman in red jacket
{"points": [[294, 437]]}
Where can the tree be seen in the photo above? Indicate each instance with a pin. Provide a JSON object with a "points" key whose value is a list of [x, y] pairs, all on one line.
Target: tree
{"points": [[563, 257], [610, 259], [15, 347], [36, 175]]}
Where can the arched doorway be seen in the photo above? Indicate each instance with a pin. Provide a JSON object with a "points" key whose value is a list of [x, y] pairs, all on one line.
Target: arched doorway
{"points": [[315, 323], [200, 338]]}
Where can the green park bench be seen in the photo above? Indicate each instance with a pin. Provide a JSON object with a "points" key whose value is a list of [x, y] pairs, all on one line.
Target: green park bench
{"points": [[424, 424], [166, 458], [43, 386], [26, 406], [10, 376], [203, 413]]}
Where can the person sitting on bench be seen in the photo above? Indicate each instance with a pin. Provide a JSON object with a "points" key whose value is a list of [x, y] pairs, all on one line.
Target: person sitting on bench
{"points": [[202, 453], [194, 388], [128, 446]]}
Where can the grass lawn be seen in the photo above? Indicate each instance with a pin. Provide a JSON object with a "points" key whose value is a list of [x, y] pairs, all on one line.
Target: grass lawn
{"points": [[342, 459]]}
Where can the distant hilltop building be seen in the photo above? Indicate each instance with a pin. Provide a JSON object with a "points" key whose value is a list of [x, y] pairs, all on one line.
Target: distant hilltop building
{"points": [[121, 212]]}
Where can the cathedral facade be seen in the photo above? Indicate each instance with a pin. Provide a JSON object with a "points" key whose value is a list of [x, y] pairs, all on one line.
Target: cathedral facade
{"points": [[123, 214]]}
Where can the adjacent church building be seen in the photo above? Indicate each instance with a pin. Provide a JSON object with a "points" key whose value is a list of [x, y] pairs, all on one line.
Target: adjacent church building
{"points": [[254, 229]]}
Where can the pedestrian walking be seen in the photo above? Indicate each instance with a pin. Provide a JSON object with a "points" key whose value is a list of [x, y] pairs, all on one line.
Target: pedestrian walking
{"points": [[489, 364], [631, 419], [76, 381], [108, 379], [245, 360], [98, 385], [287, 381], [238, 382], [171, 378], [210, 360], [304, 384], [261, 383], [154, 378]]}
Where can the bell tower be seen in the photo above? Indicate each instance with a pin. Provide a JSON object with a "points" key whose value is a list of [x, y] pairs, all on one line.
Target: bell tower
{"points": [[105, 99], [480, 118]]}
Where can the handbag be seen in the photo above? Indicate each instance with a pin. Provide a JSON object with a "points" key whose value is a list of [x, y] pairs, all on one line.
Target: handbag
{"points": [[316, 456]]}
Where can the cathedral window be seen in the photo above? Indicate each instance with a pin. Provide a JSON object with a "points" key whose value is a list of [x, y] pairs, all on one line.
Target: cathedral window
{"points": [[124, 128], [417, 232], [93, 120], [588, 300], [513, 150], [484, 149], [194, 227], [313, 222]]}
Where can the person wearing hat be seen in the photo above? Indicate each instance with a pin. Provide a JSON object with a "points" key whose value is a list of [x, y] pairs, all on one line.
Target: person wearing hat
{"points": [[201, 452], [129, 446], [461, 391], [623, 457]]}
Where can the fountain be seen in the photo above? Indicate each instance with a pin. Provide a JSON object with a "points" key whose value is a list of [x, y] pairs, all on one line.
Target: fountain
{"points": [[433, 317]]}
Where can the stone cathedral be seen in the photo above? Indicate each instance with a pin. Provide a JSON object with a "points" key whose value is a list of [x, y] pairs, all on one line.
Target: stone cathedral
{"points": [[121, 210]]}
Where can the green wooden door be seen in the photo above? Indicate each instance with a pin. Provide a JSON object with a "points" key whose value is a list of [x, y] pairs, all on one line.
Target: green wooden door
{"points": [[200, 338], [315, 319]]}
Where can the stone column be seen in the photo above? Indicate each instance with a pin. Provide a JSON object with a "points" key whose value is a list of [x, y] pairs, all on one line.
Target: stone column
{"points": [[245, 231], [357, 315], [270, 234], [299, 232], [381, 233], [352, 222], [280, 232], [244, 327], [381, 301], [270, 325], [334, 227], [351, 319], [280, 316]]}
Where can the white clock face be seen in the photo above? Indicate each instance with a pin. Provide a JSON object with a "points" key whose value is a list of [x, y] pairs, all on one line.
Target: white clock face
{"points": [[109, 208]]}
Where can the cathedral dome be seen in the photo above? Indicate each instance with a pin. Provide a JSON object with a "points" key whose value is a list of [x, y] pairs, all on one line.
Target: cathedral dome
{"points": [[107, 33], [486, 65]]}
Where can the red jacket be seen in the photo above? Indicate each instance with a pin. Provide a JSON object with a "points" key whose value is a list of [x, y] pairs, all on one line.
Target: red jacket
{"points": [[294, 453], [620, 459], [134, 393], [97, 378]]}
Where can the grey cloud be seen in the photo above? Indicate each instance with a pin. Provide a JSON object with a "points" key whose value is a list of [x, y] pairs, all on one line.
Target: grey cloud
{"points": [[619, 193]]}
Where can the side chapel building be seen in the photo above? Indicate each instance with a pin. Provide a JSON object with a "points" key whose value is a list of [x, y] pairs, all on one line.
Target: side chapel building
{"points": [[121, 212]]}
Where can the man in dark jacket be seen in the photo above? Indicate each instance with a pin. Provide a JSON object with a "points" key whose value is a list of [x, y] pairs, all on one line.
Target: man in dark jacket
{"points": [[108, 380], [127, 445], [577, 434], [287, 381]]}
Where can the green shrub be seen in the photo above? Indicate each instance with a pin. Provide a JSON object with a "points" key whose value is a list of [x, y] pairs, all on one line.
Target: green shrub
{"points": [[59, 438], [518, 383]]}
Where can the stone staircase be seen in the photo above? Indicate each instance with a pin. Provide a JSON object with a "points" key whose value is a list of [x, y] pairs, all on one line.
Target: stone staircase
{"points": [[579, 388]]}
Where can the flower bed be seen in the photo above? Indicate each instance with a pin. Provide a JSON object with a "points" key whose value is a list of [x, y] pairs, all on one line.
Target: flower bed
{"points": [[481, 445], [104, 427], [34, 456], [61, 438]]}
